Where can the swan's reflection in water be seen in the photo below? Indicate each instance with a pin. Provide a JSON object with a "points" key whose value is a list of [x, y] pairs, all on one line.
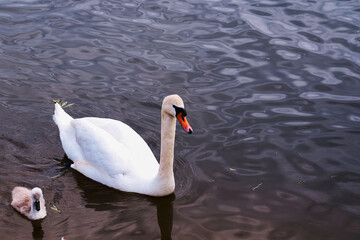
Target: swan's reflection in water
{"points": [[164, 207], [123, 209]]}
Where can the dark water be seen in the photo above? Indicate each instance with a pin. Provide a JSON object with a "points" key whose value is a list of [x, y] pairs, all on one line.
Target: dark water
{"points": [[272, 90]]}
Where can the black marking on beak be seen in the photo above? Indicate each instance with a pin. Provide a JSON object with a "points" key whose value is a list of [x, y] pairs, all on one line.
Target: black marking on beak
{"points": [[181, 116], [37, 205], [180, 110]]}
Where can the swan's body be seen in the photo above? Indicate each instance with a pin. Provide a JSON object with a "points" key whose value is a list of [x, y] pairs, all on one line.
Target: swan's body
{"points": [[112, 153], [31, 203]]}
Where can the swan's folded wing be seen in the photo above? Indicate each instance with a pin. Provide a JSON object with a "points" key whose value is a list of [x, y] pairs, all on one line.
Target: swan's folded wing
{"points": [[143, 160], [100, 149]]}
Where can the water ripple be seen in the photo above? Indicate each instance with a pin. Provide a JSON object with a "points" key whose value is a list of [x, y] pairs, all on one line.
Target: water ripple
{"points": [[271, 89], [264, 97], [322, 95], [290, 111]]}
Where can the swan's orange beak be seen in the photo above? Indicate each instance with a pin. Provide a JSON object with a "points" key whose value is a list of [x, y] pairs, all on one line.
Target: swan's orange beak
{"points": [[184, 123]]}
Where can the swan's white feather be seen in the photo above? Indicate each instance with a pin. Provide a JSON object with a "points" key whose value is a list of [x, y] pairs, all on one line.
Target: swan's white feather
{"points": [[107, 151]]}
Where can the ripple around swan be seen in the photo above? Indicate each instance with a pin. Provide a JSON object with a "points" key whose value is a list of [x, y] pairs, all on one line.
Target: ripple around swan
{"points": [[321, 95], [290, 111], [272, 93], [288, 55], [264, 97]]}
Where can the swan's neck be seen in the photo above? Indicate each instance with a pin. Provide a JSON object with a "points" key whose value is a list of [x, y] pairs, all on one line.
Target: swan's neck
{"points": [[166, 172]]}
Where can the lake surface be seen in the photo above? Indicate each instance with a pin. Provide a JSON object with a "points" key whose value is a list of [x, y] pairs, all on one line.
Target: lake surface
{"points": [[272, 90]]}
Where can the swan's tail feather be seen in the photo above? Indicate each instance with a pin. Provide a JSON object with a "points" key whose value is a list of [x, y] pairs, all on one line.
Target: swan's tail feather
{"points": [[60, 116], [67, 133]]}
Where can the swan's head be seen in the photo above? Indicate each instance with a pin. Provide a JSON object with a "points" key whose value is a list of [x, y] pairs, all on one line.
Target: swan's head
{"points": [[36, 195], [174, 106]]}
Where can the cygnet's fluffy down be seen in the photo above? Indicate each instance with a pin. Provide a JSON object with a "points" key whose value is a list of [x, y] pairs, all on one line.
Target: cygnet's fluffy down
{"points": [[31, 203]]}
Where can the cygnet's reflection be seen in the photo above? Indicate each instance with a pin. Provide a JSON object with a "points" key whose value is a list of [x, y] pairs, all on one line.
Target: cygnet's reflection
{"points": [[38, 232]]}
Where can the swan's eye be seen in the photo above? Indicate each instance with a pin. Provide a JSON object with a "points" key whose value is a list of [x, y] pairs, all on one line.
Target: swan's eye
{"points": [[180, 110]]}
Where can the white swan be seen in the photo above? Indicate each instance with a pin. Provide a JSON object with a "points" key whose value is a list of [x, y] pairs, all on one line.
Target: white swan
{"points": [[31, 203], [112, 153]]}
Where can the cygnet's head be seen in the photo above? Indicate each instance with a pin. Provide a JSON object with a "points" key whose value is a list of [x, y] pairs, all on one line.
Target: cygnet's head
{"points": [[174, 106], [36, 195]]}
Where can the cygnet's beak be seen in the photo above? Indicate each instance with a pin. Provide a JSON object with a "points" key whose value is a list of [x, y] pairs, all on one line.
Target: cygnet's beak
{"points": [[37, 205]]}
